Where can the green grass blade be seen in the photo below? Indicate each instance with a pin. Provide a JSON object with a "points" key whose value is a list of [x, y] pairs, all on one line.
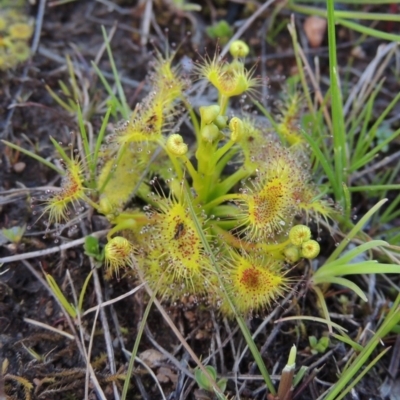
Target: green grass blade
{"points": [[136, 345], [356, 251], [365, 267], [34, 156], [375, 150], [125, 110], [83, 291], [346, 283], [69, 308], [391, 320], [365, 137], [368, 31], [347, 202], [313, 319], [60, 151], [392, 211], [339, 132], [99, 141], [84, 136], [300, 68], [344, 14], [322, 304], [365, 370], [345, 339], [60, 101], [374, 188], [324, 161], [335, 254], [109, 90]]}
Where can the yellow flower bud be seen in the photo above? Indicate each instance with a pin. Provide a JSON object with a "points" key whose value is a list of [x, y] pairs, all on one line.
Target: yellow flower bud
{"points": [[210, 133], [220, 121], [176, 145], [310, 249], [209, 113], [299, 234], [238, 48], [292, 254], [236, 126]]}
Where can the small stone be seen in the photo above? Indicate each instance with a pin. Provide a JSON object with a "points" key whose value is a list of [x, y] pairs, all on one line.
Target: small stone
{"points": [[358, 52], [165, 374], [19, 167], [152, 358], [48, 310], [315, 28]]}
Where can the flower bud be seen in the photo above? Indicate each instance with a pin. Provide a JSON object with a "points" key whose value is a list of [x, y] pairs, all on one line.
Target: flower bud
{"points": [[299, 234], [310, 249], [209, 113], [292, 254], [236, 127], [220, 121], [210, 133], [176, 145], [238, 48]]}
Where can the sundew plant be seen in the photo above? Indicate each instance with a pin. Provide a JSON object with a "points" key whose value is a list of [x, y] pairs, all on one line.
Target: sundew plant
{"points": [[233, 186], [214, 206]]}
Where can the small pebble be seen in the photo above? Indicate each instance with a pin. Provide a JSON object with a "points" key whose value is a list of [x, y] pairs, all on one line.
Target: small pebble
{"points": [[19, 167], [315, 28], [48, 310], [358, 52]]}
